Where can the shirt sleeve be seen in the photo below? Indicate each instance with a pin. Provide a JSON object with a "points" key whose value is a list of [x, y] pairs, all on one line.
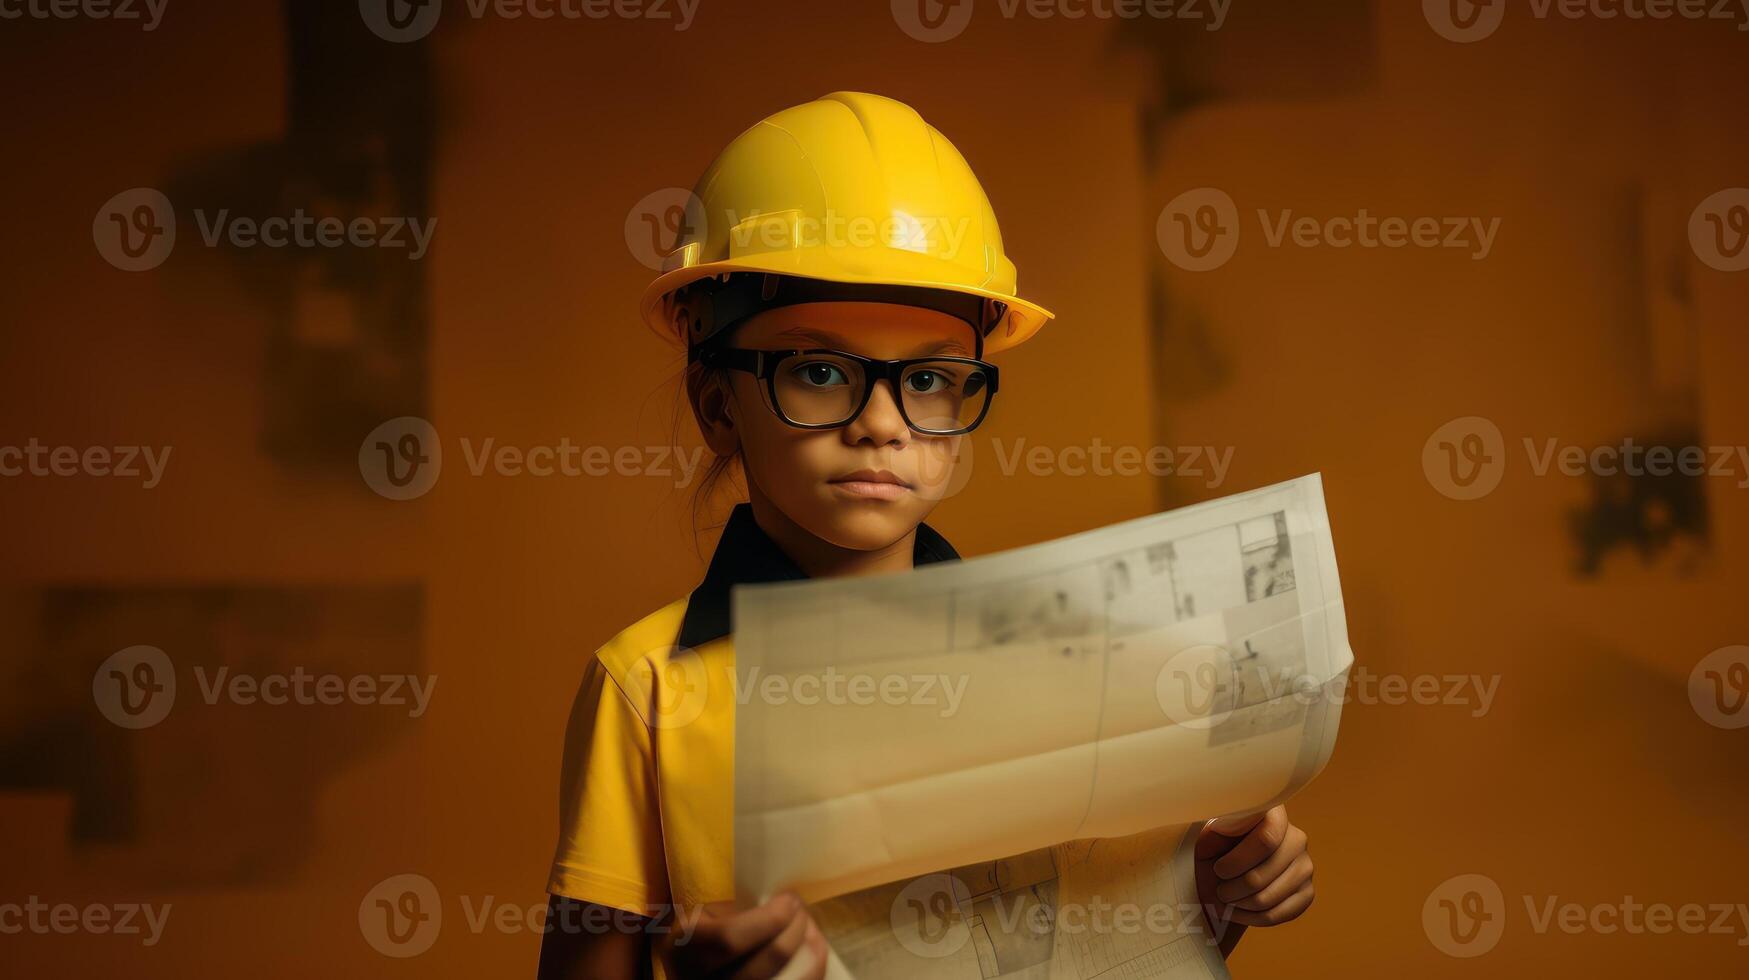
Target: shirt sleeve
{"points": [[610, 837]]}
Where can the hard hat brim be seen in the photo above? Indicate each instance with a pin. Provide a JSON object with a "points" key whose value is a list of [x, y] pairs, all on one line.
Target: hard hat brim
{"points": [[898, 268]]}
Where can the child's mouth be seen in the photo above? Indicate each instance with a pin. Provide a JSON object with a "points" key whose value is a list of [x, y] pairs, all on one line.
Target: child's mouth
{"points": [[872, 485]]}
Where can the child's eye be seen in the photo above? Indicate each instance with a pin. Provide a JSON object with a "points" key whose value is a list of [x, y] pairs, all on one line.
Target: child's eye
{"points": [[926, 382], [820, 374]]}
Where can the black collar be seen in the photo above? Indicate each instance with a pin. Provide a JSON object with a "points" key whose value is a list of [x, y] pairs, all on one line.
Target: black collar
{"points": [[746, 555]]}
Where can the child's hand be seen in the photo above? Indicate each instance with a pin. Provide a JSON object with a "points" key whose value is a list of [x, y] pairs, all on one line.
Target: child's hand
{"points": [[775, 941], [1253, 871]]}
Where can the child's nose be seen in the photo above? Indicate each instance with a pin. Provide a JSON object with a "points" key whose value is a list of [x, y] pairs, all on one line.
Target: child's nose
{"points": [[880, 422]]}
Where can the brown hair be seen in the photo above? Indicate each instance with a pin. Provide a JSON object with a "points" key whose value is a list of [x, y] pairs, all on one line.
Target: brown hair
{"points": [[722, 469]]}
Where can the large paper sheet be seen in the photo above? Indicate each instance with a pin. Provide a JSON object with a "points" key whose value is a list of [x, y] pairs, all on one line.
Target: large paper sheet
{"points": [[974, 769]]}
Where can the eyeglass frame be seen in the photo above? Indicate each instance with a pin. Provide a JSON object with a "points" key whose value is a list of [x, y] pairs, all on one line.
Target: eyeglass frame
{"points": [[762, 364]]}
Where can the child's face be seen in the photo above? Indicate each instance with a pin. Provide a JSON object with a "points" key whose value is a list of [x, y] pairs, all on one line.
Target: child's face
{"points": [[810, 475]]}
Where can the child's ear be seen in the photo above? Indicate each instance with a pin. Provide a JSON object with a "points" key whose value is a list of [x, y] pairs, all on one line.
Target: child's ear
{"points": [[713, 406]]}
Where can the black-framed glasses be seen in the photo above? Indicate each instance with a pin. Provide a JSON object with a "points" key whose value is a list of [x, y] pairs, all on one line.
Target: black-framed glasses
{"points": [[828, 389]]}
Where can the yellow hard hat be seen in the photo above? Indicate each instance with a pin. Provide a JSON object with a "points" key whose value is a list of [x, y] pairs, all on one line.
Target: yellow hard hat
{"points": [[850, 189]]}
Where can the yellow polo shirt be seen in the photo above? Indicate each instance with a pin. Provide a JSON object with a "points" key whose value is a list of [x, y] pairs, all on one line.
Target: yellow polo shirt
{"points": [[647, 797]]}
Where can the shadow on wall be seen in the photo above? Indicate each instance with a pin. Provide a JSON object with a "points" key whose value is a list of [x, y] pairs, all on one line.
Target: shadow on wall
{"points": [[193, 728], [349, 327]]}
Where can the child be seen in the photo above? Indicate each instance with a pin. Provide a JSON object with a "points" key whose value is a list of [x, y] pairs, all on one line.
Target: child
{"points": [[839, 285]]}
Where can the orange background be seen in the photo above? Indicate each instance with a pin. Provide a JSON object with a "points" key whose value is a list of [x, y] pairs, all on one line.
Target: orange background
{"points": [[1590, 779]]}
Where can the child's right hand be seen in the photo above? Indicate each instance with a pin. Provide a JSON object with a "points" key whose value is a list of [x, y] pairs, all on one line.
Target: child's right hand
{"points": [[775, 941]]}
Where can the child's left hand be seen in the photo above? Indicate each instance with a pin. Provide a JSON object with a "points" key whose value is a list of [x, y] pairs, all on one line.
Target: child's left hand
{"points": [[1253, 871]]}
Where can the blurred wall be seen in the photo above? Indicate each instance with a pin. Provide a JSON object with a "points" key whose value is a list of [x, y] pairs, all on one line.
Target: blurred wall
{"points": [[1591, 141]]}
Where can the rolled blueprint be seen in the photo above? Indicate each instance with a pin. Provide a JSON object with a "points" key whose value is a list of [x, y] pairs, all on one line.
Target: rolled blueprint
{"points": [[1150, 674]]}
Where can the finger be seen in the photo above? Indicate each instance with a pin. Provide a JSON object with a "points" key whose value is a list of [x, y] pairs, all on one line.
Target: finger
{"points": [[1221, 835], [1239, 826], [720, 939], [1288, 910], [1259, 843], [771, 958], [1254, 881], [1274, 893], [805, 965], [1211, 843], [817, 942], [811, 961], [816, 938], [691, 924], [688, 919]]}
